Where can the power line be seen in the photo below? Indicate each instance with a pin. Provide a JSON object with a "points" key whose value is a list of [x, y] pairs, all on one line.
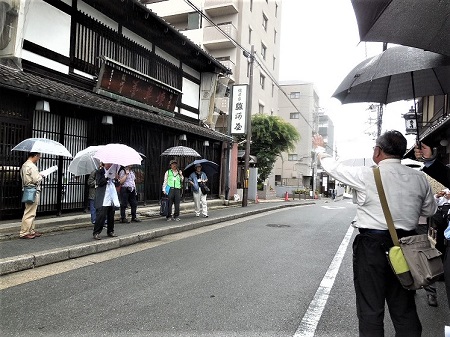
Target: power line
{"points": [[248, 54]]}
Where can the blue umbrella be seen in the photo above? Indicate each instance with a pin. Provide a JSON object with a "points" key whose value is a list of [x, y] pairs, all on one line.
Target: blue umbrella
{"points": [[209, 167]]}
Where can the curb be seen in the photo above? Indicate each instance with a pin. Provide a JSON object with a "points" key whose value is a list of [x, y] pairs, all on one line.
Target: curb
{"points": [[29, 261], [58, 224]]}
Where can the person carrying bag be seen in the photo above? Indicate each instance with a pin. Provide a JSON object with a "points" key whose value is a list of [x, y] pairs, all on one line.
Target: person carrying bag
{"points": [[414, 261]]}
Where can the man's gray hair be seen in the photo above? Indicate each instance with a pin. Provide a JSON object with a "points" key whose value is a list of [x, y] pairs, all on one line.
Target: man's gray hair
{"points": [[392, 143]]}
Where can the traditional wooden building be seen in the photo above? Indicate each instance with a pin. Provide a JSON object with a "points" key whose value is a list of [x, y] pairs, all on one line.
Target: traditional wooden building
{"points": [[94, 72]]}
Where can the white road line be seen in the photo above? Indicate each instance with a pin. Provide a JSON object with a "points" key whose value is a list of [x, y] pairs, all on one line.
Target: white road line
{"points": [[308, 325], [333, 207]]}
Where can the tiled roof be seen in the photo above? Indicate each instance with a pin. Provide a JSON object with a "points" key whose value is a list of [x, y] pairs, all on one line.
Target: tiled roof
{"points": [[51, 89]]}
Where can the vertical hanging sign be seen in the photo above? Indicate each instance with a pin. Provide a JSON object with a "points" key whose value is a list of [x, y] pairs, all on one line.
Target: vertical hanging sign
{"points": [[239, 109]]}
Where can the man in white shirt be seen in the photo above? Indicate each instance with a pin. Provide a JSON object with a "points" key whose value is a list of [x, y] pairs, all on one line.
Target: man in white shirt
{"points": [[409, 196]]}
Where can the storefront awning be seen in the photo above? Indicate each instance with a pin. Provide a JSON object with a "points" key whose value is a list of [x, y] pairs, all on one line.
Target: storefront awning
{"points": [[51, 89]]}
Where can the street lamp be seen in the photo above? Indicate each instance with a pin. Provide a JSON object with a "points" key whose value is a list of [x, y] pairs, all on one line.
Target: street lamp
{"points": [[410, 122]]}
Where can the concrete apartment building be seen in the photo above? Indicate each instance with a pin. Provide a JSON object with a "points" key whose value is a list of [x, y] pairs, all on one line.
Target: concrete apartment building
{"points": [[298, 105], [247, 23]]}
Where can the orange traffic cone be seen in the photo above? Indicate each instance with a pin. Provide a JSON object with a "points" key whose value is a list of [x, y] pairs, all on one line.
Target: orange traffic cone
{"points": [[286, 196]]}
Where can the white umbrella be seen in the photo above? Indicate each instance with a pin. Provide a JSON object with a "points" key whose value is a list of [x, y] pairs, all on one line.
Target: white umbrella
{"points": [[84, 162], [118, 154], [42, 145]]}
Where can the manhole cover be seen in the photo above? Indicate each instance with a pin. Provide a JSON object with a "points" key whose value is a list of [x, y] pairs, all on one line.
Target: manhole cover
{"points": [[277, 225]]}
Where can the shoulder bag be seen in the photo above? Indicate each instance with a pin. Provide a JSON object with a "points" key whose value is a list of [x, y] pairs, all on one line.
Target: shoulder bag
{"points": [[414, 261], [29, 194]]}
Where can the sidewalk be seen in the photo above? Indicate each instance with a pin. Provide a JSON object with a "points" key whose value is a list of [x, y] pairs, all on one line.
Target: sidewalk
{"points": [[70, 236]]}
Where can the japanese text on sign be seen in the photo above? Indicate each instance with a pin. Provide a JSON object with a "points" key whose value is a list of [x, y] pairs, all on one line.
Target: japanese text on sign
{"points": [[239, 109]]}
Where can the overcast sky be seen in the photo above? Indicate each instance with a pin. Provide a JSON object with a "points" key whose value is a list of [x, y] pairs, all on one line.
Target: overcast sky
{"points": [[320, 44]]}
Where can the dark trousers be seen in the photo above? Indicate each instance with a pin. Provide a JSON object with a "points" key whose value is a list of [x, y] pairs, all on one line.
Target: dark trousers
{"points": [[375, 284], [127, 196], [92, 209], [174, 199], [104, 213]]}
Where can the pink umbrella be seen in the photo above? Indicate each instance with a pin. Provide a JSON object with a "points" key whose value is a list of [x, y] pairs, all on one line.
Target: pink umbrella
{"points": [[118, 154]]}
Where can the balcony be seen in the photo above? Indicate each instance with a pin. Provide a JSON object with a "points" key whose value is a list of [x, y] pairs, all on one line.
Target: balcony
{"points": [[216, 8], [213, 39], [230, 65]]}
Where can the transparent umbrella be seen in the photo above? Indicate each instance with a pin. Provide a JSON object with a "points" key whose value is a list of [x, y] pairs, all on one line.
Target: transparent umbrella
{"points": [[84, 162], [42, 145], [180, 151]]}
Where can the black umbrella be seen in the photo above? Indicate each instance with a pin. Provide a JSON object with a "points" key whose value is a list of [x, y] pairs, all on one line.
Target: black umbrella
{"points": [[422, 24], [209, 167], [398, 73]]}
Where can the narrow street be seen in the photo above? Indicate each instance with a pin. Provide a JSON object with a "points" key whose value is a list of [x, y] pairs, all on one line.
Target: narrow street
{"points": [[256, 276]]}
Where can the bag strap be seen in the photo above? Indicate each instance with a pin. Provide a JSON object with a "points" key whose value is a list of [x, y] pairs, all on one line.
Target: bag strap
{"points": [[384, 204]]}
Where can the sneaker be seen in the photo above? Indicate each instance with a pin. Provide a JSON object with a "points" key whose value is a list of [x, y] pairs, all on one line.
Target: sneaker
{"points": [[205, 216], [176, 219], [168, 219], [124, 220], [97, 237], [37, 234], [112, 235], [135, 220], [197, 214]]}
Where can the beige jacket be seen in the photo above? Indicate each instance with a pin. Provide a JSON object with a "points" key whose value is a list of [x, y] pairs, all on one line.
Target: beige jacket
{"points": [[30, 175]]}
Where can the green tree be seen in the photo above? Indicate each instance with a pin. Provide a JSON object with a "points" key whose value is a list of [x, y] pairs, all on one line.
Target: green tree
{"points": [[271, 136]]}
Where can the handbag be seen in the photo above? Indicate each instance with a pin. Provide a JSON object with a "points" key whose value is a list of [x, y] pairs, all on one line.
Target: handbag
{"points": [[29, 194], [164, 207], [205, 189], [412, 258]]}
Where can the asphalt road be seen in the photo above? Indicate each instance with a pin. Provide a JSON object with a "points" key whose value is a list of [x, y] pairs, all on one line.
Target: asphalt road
{"points": [[256, 276]]}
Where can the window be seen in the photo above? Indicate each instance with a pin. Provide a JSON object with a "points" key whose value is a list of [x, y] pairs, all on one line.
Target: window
{"points": [[273, 89], [274, 59], [250, 35], [263, 51], [294, 115], [276, 10], [251, 5], [261, 109], [294, 95], [264, 23], [275, 36], [292, 157], [262, 80], [194, 20]]}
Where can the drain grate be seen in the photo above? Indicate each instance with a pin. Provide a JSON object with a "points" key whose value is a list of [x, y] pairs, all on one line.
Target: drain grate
{"points": [[278, 225]]}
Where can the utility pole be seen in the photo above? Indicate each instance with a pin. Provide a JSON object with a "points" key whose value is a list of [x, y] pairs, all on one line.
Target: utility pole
{"points": [[313, 162], [379, 119], [251, 60]]}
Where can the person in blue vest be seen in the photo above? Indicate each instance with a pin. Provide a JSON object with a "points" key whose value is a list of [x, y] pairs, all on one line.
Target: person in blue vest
{"points": [[172, 185]]}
